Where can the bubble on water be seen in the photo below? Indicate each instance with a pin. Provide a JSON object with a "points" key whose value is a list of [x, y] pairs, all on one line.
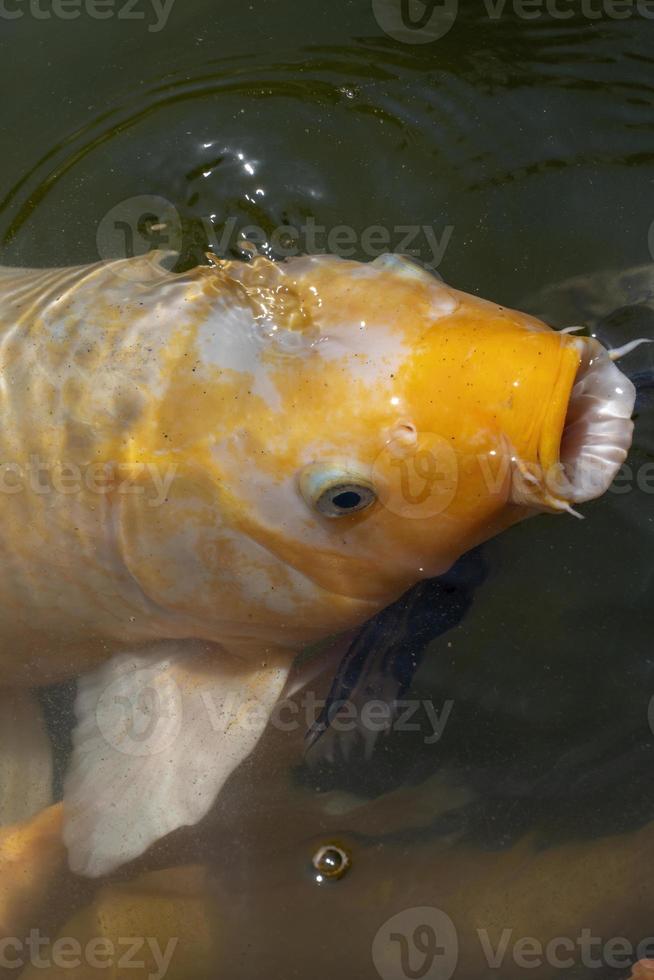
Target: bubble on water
{"points": [[331, 861]]}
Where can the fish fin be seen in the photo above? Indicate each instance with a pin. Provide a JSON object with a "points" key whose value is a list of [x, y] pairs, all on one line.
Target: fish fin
{"points": [[404, 265], [25, 757], [158, 735], [314, 663], [381, 662], [31, 855]]}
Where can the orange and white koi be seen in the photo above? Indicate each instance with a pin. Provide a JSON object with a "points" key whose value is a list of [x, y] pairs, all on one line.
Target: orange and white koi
{"points": [[201, 473]]}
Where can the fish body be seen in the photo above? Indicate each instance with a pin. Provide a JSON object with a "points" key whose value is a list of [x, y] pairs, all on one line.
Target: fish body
{"points": [[201, 473]]}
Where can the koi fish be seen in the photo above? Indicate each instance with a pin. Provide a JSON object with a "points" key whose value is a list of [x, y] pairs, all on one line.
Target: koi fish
{"points": [[202, 473], [642, 970], [160, 924]]}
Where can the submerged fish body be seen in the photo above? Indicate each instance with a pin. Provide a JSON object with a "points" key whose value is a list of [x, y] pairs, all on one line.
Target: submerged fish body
{"points": [[201, 473]]}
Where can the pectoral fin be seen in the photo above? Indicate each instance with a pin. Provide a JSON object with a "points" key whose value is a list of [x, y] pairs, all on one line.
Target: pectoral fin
{"points": [[158, 734], [31, 857], [382, 659]]}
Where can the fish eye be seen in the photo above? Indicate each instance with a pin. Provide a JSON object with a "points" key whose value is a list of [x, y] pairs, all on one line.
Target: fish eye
{"points": [[344, 498], [335, 492]]}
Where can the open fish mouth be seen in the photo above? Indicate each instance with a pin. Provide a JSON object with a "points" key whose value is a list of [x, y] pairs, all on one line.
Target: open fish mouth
{"points": [[598, 429]]}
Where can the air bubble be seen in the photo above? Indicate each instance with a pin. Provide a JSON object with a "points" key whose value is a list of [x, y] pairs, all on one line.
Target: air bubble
{"points": [[331, 861]]}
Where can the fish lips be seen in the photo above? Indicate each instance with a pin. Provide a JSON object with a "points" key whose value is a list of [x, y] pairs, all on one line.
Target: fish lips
{"points": [[586, 435]]}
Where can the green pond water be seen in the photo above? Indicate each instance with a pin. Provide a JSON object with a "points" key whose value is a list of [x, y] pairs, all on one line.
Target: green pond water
{"points": [[525, 147]]}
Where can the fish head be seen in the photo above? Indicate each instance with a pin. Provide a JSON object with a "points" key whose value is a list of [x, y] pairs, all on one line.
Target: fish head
{"points": [[364, 426]]}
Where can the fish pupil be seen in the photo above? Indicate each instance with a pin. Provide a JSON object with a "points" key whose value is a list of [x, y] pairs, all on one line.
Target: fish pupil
{"points": [[347, 499]]}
